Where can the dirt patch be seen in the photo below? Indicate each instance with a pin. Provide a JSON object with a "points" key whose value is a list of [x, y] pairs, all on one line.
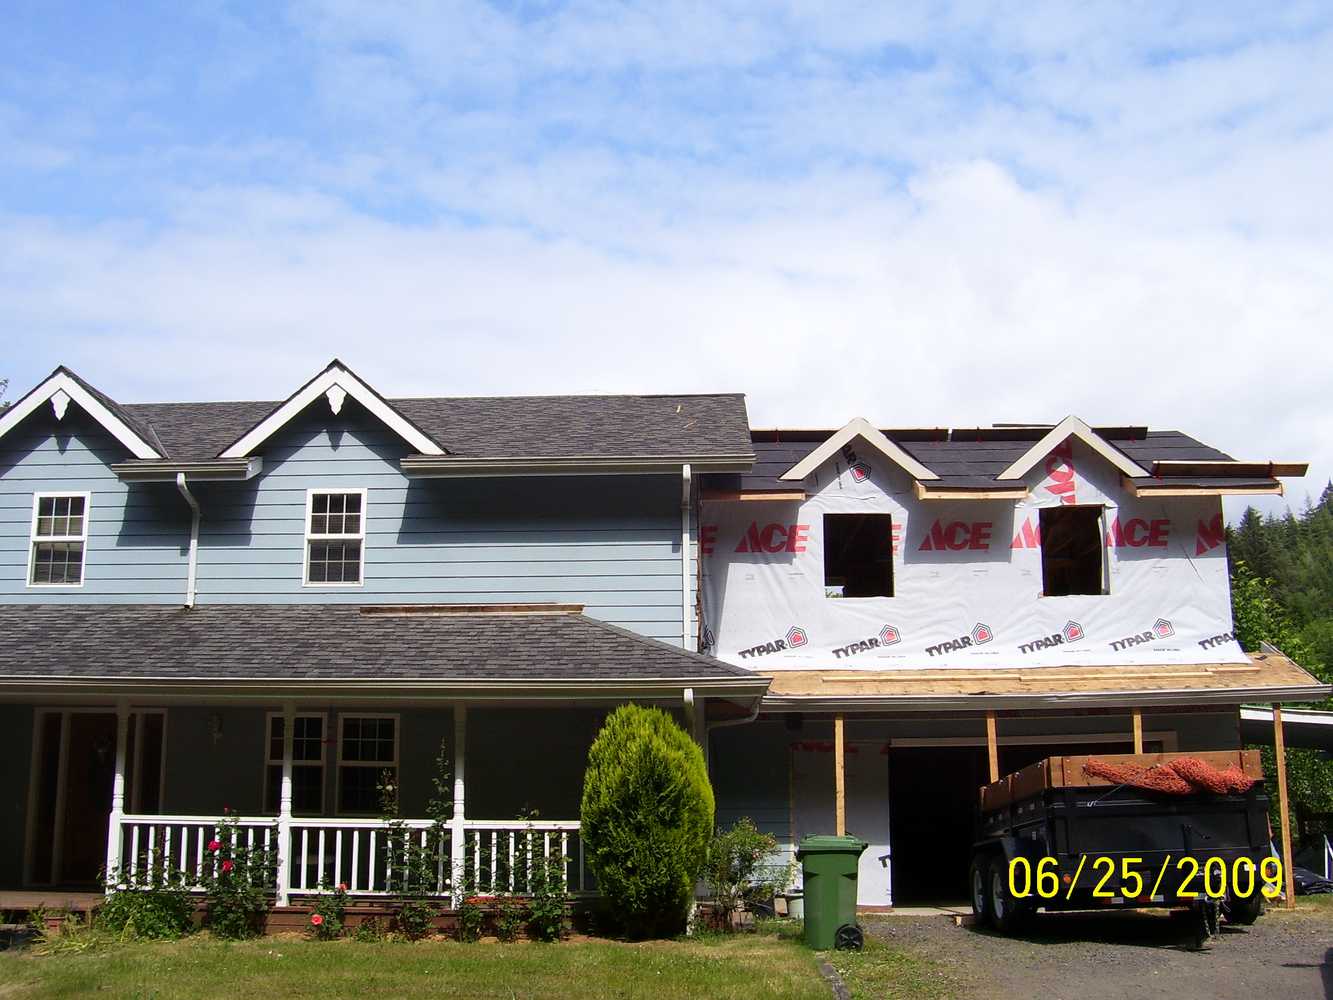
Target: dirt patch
{"points": [[1109, 956]]}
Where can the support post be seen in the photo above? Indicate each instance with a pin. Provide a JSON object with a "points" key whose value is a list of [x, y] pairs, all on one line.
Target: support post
{"points": [[992, 747], [1280, 752], [113, 835], [840, 775], [1138, 730], [457, 832], [285, 805]]}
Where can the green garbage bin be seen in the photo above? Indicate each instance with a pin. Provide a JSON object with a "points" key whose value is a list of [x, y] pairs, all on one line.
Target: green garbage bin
{"points": [[828, 869]]}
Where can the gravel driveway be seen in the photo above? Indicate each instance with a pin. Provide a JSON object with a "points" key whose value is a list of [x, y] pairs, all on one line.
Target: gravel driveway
{"points": [[1111, 956]]}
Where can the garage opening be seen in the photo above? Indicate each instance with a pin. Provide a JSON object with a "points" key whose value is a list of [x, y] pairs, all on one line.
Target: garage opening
{"points": [[932, 812]]}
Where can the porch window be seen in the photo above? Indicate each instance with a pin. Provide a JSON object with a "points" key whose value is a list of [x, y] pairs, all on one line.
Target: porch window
{"points": [[367, 755], [59, 533], [307, 764], [335, 537]]}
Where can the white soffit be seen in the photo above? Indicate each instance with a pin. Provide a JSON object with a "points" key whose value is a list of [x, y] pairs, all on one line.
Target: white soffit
{"points": [[337, 383], [862, 428], [59, 390], [1071, 427]]}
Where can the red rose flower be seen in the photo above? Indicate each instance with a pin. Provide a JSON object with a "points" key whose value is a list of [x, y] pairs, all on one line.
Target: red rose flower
{"points": [[342, 886], [316, 919], [227, 866], [215, 845]]}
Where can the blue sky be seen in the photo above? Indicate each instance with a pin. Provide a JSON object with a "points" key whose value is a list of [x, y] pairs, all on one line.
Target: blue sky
{"points": [[923, 214]]}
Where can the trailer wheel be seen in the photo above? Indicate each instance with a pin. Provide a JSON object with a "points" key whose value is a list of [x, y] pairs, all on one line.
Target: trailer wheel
{"points": [[1244, 911], [978, 878], [1007, 913]]}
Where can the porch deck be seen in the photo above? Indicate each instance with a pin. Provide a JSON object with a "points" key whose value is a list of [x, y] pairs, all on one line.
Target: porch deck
{"points": [[27, 900]]}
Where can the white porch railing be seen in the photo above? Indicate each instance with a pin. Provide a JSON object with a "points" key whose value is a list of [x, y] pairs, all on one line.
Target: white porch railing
{"points": [[496, 856]]}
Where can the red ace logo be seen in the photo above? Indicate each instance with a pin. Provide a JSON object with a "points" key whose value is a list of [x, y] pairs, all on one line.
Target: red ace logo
{"points": [[1060, 472], [956, 536], [707, 539], [774, 538], [1027, 537], [1137, 533], [1209, 535]]}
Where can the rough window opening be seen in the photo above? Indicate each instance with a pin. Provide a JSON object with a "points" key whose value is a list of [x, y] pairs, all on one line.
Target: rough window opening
{"points": [[858, 555], [1072, 554]]}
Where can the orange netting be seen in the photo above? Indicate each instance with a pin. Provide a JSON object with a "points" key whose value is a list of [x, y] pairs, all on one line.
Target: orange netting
{"points": [[1176, 777]]}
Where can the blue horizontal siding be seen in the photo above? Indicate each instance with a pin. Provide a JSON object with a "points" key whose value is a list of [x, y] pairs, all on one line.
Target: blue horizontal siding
{"points": [[609, 543]]}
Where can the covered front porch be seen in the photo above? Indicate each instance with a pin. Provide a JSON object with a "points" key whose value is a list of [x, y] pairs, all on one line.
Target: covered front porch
{"points": [[337, 778]]}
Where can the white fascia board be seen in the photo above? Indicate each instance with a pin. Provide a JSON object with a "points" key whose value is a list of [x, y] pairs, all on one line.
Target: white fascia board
{"points": [[239, 469], [1071, 427], [333, 377], [61, 382], [862, 428]]}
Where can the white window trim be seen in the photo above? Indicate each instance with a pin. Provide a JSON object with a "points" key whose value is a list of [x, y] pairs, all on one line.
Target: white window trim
{"points": [[378, 764], [34, 538], [269, 761], [310, 495]]}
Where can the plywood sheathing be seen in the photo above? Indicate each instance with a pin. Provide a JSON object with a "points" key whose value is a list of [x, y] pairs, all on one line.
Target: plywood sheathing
{"points": [[1263, 670]]}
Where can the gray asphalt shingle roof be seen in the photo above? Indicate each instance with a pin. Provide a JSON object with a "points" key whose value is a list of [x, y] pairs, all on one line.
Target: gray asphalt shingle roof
{"points": [[959, 461], [498, 426], [295, 642]]}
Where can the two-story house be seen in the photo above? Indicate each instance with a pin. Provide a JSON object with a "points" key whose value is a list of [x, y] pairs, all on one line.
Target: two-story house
{"points": [[279, 607], [940, 607]]}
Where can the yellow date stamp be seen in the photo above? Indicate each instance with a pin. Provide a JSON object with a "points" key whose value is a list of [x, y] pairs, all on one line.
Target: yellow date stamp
{"points": [[1130, 878]]}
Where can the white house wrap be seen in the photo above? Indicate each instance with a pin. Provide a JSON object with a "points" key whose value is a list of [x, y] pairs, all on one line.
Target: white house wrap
{"points": [[967, 576]]}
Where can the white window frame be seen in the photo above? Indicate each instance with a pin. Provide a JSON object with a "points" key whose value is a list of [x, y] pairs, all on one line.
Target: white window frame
{"points": [[270, 761], [379, 765], [346, 536], [34, 538]]}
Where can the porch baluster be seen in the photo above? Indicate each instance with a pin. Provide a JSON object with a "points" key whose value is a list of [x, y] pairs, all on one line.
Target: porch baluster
{"points": [[370, 882], [337, 857], [305, 855], [199, 856], [356, 857], [134, 850], [493, 852], [319, 882], [511, 862]]}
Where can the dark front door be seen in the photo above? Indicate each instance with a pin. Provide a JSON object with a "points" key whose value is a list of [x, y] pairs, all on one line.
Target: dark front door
{"points": [[90, 766], [932, 799]]}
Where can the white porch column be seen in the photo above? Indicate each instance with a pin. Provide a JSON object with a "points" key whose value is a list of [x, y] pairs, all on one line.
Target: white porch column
{"points": [[457, 844], [113, 838], [285, 804]]}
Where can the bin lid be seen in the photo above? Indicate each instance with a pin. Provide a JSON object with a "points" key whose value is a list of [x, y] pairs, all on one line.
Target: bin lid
{"points": [[827, 844]]}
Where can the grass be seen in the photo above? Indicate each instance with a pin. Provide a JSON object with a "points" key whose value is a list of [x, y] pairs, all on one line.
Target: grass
{"points": [[739, 966]]}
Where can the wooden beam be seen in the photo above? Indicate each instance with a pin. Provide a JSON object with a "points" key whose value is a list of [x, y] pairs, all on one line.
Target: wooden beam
{"points": [[992, 747], [924, 492], [839, 776], [1152, 488], [1280, 752], [1138, 730], [796, 496]]}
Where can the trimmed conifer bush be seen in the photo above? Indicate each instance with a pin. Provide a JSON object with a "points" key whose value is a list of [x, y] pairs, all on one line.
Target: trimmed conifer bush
{"points": [[646, 820]]}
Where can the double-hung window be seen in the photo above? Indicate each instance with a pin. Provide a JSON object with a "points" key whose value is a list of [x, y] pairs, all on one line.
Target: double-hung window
{"points": [[367, 761], [335, 537], [307, 764], [59, 537]]}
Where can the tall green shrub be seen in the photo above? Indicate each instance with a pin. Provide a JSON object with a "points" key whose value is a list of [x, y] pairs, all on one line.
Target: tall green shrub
{"points": [[647, 818]]}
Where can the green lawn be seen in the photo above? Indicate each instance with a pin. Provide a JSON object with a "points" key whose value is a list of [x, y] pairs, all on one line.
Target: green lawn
{"points": [[741, 966], [769, 963]]}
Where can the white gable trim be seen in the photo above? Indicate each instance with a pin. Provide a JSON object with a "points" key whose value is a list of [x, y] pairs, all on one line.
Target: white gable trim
{"points": [[58, 390], [1071, 427], [857, 427], [337, 383]]}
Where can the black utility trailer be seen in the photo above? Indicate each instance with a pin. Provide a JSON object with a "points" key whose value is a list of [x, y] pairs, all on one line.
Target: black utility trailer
{"points": [[1050, 826]]}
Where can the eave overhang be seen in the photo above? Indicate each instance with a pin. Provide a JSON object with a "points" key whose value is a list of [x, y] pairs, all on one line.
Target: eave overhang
{"points": [[216, 469], [456, 466]]}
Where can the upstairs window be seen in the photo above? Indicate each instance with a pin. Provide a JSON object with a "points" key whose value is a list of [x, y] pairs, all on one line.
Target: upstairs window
{"points": [[1072, 553], [59, 534], [335, 537], [858, 555], [367, 758], [307, 764]]}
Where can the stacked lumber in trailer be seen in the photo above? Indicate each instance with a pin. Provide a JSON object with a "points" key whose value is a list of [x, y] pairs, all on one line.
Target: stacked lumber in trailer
{"points": [[1067, 772]]}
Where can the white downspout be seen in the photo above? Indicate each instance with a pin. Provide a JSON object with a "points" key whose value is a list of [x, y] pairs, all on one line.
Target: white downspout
{"points": [[685, 556], [192, 572]]}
